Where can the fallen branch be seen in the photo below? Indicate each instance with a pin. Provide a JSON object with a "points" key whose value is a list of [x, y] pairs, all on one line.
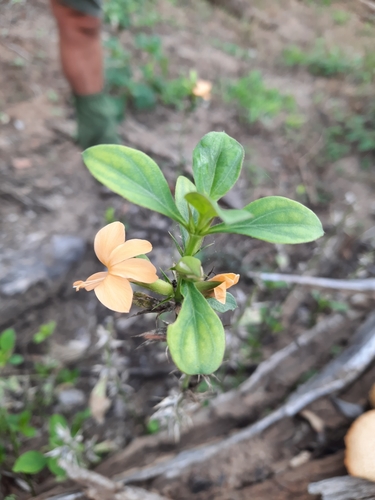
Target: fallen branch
{"points": [[343, 488], [268, 386], [99, 487], [337, 375], [370, 5], [355, 285], [282, 370]]}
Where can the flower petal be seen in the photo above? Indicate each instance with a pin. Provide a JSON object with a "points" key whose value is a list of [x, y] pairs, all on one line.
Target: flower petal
{"points": [[129, 249], [115, 293], [107, 239], [91, 283], [220, 293], [136, 270], [229, 279]]}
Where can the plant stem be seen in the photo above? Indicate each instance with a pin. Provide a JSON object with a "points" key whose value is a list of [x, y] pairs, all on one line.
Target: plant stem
{"points": [[185, 382], [193, 245], [161, 287]]}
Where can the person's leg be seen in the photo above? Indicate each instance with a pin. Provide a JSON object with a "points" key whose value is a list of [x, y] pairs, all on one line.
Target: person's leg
{"points": [[80, 48], [82, 63]]}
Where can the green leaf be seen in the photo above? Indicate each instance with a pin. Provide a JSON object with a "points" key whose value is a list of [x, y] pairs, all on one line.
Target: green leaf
{"points": [[44, 332], [24, 424], [55, 468], [16, 359], [133, 175], [209, 209], [217, 163], [189, 267], [79, 419], [8, 340], [230, 304], [196, 340], [277, 220], [54, 422], [183, 187], [204, 206], [30, 462], [204, 286]]}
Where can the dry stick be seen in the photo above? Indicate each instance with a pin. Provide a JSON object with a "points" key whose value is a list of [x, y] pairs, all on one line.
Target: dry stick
{"points": [[275, 361], [337, 375], [101, 488], [343, 488], [256, 381], [355, 285], [369, 4]]}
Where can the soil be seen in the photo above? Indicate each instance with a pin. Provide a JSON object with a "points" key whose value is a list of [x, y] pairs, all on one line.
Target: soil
{"points": [[46, 191]]}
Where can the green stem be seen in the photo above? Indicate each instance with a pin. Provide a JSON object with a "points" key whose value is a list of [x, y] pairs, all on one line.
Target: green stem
{"points": [[161, 287], [185, 382], [193, 245]]}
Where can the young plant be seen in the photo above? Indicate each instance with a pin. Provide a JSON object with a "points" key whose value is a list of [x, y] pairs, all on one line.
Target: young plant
{"points": [[321, 60], [153, 83], [7, 346], [196, 340], [257, 101]]}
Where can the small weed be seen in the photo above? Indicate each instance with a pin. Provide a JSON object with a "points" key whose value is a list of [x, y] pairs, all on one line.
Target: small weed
{"points": [[321, 61], [7, 346], [354, 132], [271, 318], [232, 49], [295, 121], [154, 84], [340, 17], [255, 100], [23, 415], [44, 332], [176, 91], [254, 344], [153, 426], [367, 72], [275, 285], [67, 376], [325, 304], [122, 14]]}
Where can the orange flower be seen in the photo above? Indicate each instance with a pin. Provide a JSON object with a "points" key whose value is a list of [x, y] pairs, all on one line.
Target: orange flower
{"points": [[227, 280], [112, 287], [203, 89]]}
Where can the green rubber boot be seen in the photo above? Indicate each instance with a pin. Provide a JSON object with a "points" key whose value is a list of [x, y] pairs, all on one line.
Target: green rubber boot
{"points": [[96, 120]]}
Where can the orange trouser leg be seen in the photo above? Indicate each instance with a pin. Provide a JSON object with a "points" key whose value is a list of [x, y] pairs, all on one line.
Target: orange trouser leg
{"points": [[80, 49]]}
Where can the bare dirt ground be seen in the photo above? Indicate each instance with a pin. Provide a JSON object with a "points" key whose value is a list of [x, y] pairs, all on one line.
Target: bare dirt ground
{"points": [[51, 209]]}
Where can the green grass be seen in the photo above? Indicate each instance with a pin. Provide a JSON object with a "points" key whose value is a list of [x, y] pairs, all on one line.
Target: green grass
{"points": [[255, 100], [152, 83], [321, 60], [341, 17], [231, 49], [122, 14], [351, 133]]}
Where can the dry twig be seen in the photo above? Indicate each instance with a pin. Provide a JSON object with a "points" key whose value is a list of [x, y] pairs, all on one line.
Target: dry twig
{"points": [[370, 5], [337, 375], [99, 487], [343, 488], [355, 285]]}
